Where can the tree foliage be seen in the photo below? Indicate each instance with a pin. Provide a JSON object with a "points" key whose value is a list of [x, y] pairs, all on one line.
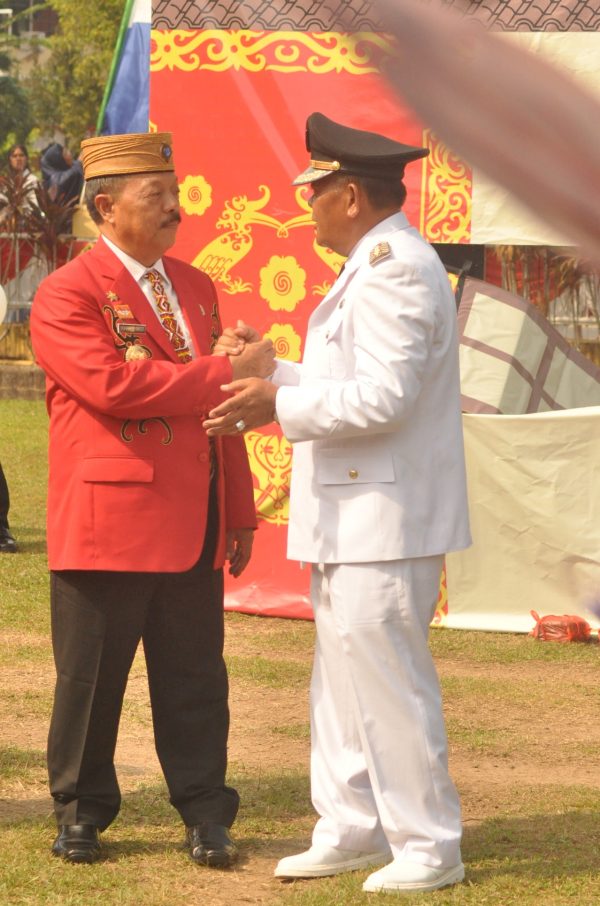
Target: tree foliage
{"points": [[66, 91], [15, 116]]}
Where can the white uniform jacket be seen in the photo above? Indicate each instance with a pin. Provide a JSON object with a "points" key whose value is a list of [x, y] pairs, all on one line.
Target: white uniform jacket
{"points": [[373, 411]]}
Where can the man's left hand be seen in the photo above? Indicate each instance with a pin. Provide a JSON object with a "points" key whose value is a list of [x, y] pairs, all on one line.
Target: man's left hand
{"points": [[239, 549], [251, 405]]}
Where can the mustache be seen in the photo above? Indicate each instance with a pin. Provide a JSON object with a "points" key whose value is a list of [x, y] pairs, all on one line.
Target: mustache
{"points": [[174, 218]]}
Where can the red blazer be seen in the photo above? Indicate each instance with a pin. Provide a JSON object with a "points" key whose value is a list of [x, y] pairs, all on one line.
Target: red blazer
{"points": [[129, 459]]}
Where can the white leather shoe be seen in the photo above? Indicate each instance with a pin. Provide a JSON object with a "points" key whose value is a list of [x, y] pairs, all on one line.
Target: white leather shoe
{"points": [[412, 876], [322, 861]]}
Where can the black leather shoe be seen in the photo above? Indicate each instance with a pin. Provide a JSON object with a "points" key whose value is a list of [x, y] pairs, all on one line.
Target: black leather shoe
{"points": [[210, 844], [77, 843], [8, 545]]}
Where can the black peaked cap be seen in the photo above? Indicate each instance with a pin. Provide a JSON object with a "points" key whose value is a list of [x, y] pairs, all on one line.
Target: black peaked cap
{"points": [[340, 149]]}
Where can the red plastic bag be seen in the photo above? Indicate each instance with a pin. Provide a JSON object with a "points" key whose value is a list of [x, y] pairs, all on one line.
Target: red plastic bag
{"points": [[567, 628]]}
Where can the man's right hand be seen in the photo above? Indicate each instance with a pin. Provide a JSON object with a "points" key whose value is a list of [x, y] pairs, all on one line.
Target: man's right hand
{"points": [[256, 359]]}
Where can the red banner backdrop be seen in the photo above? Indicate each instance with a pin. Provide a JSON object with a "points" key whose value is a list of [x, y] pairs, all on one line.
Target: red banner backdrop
{"points": [[236, 100]]}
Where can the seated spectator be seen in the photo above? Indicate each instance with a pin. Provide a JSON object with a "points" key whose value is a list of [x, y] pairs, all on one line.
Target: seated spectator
{"points": [[62, 175]]}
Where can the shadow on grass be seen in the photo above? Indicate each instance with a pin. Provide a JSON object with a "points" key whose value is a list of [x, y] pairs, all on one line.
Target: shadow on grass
{"points": [[28, 547], [539, 846], [525, 853]]}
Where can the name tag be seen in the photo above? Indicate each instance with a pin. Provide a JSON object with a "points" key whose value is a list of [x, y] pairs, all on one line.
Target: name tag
{"points": [[129, 329]]}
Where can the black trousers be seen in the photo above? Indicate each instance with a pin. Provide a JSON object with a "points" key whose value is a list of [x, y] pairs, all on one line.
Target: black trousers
{"points": [[98, 619], [4, 501]]}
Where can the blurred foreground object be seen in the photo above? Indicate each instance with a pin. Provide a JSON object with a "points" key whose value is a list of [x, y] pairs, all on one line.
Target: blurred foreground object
{"points": [[522, 121]]}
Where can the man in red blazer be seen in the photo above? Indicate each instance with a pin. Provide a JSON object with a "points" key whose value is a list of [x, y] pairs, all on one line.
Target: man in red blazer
{"points": [[142, 510]]}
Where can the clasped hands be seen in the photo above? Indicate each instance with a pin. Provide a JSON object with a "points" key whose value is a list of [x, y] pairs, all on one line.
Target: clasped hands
{"points": [[252, 400]]}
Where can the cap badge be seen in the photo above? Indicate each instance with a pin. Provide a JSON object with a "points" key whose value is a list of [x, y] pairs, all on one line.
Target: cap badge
{"points": [[379, 252]]}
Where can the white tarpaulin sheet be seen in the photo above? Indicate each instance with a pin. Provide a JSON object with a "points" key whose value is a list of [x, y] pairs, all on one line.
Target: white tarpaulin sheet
{"points": [[534, 502]]}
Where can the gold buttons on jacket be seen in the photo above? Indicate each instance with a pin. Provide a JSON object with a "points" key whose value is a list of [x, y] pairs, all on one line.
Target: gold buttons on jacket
{"points": [[353, 473]]}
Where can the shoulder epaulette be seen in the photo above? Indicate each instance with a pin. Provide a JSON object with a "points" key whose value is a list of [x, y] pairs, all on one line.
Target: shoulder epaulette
{"points": [[379, 252]]}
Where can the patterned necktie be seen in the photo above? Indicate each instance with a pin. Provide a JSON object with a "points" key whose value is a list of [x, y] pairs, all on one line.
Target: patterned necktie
{"points": [[167, 316], [173, 329]]}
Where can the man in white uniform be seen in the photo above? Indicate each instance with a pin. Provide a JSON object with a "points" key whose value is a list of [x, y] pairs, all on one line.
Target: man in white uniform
{"points": [[378, 496]]}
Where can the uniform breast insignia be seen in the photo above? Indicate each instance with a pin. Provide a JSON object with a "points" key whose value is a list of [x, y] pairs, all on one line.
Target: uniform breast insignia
{"points": [[122, 310], [379, 252], [136, 352], [131, 330], [125, 336]]}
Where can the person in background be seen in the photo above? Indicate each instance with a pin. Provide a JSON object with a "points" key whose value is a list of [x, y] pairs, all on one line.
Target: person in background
{"points": [[8, 545], [143, 510], [62, 175], [18, 189], [378, 495]]}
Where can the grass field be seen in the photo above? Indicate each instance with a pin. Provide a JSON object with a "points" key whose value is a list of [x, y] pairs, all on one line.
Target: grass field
{"points": [[524, 750]]}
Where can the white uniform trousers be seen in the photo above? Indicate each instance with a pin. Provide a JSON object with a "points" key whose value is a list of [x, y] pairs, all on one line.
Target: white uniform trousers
{"points": [[379, 765]]}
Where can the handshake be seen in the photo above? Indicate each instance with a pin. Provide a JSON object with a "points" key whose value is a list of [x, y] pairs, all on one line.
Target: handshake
{"points": [[250, 355], [251, 398]]}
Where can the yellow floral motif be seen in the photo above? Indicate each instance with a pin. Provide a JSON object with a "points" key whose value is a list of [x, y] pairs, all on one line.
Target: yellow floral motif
{"points": [[271, 463], [195, 195], [285, 341], [217, 50], [282, 283], [447, 185]]}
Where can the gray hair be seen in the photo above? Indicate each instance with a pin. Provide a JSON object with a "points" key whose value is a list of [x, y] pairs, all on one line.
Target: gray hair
{"points": [[102, 185]]}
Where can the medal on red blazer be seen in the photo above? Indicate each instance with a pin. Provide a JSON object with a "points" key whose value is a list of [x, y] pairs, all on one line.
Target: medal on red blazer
{"points": [[136, 352], [122, 310]]}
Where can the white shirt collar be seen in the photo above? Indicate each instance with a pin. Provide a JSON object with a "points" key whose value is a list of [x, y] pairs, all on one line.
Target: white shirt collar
{"points": [[135, 268], [362, 248]]}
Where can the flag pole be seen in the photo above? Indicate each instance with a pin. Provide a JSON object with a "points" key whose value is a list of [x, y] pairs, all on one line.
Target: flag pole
{"points": [[114, 63]]}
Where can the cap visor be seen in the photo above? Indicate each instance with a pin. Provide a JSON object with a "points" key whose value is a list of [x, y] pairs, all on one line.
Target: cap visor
{"points": [[311, 174]]}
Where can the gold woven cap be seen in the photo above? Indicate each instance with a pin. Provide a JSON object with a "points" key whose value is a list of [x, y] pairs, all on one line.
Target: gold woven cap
{"points": [[139, 152]]}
